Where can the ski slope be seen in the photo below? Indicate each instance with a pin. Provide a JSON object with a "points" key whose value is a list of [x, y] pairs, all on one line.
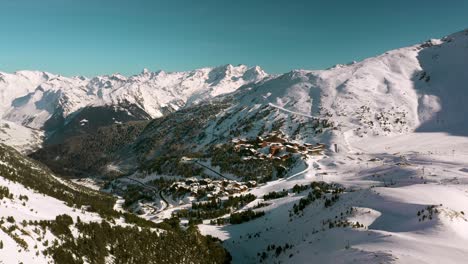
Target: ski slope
{"points": [[391, 232]]}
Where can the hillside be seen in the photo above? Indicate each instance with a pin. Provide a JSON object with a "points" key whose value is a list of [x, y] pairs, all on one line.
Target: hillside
{"points": [[44, 218], [397, 121]]}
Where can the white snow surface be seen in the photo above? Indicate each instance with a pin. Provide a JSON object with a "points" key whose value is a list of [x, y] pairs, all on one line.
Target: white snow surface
{"points": [[401, 128], [21, 138], [421, 87], [37, 207], [392, 232]]}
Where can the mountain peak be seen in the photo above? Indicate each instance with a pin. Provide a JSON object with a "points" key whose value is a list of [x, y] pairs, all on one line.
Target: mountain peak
{"points": [[255, 72], [145, 71]]}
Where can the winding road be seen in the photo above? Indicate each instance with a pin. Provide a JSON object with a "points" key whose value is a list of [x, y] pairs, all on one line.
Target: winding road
{"points": [[166, 203]]}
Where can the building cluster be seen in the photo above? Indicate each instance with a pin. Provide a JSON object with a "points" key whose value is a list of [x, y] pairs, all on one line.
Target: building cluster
{"points": [[212, 188], [274, 146]]}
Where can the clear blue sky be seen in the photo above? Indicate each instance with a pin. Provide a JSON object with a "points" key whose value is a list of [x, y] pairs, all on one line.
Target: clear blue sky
{"points": [[90, 37]]}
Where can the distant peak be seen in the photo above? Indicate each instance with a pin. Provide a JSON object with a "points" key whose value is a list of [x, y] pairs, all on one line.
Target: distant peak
{"points": [[145, 71], [257, 69], [255, 72], [118, 76]]}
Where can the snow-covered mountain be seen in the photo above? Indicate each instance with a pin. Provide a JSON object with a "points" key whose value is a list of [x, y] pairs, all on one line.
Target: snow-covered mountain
{"points": [[396, 92], [405, 181], [234, 151], [32, 98], [417, 88]]}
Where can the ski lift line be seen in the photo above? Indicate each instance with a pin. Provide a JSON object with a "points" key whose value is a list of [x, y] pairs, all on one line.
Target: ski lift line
{"points": [[293, 112]]}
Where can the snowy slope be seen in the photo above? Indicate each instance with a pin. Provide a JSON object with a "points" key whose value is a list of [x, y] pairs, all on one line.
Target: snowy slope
{"points": [[399, 120], [19, 84], [22, 241], [21, 138], [38, 207], [386, 198], [422, 87]]}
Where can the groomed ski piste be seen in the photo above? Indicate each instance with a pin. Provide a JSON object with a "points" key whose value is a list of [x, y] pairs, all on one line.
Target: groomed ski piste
{"points": [[388, 180]]}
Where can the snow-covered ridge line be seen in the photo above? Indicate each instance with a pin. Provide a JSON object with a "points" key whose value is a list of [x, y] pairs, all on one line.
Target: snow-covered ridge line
{"points": [[413, 88], [31, 97]]}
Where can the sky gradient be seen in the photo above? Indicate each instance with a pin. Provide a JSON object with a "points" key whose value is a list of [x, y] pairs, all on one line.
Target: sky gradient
{"points": [[91, 37]]}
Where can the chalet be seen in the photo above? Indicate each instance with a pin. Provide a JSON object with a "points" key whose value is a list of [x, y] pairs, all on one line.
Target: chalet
{"points": [[231, 189], [316, 148], [274, 144], [315, 151], [275, 149], [292, 149], [185, 159], [204, 181], [252, 150], [239, 141]]}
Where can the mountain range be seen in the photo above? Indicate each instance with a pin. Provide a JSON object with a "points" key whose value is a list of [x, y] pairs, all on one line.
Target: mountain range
{"points": [[362, 162]]}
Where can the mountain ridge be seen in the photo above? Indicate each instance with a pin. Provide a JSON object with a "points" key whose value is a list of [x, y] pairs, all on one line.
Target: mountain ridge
{"points": [[154, 92], [364, 162]]}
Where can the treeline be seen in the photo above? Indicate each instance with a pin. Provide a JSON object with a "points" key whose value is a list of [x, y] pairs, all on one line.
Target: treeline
{"points": [[275, 195], [134, 193], [320, 190], [91, 152], [244, 216], [172, 165], [140, 242], [175, 134], [97, 241], [238, 218], [214, 208]]}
